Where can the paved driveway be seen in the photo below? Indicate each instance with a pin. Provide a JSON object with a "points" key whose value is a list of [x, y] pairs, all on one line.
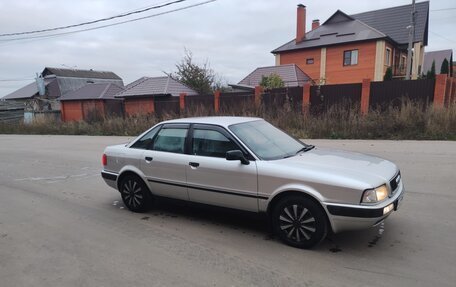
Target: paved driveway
{"points": [[60, 225]]}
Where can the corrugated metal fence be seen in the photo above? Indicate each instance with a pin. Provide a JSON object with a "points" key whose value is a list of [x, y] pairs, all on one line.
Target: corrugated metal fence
{"points": [[323, 98], [392, 93]]}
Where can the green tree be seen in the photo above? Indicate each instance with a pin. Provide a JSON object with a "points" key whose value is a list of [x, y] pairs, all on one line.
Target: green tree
{"points": [[388, 74], [272, 81], [431, 73], [445, 67], [200, 78]]}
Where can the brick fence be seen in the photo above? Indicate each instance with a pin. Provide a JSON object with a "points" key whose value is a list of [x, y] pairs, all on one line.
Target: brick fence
{"points": [[360, 97], [439, 92]]}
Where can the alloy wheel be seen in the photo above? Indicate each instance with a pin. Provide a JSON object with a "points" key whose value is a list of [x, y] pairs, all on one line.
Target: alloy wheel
{"points": [[297, 223]]}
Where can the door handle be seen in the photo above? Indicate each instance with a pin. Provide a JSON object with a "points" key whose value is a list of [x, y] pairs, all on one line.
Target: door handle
{"points": [[194, 164], [148, 158]]}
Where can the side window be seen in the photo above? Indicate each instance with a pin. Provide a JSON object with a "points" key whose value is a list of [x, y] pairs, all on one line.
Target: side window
{"points": [[146, 140], [170, 140], [211, 143]]}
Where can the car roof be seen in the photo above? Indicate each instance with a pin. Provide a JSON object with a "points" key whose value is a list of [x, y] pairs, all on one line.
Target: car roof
{"points": [[220, 121]]}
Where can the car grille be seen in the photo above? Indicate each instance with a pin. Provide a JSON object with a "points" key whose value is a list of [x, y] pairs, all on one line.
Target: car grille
{"points": [[394, 183]]}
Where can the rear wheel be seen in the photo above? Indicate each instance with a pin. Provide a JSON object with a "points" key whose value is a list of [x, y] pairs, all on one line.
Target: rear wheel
{"points": [[299, 221], [135, 194]]}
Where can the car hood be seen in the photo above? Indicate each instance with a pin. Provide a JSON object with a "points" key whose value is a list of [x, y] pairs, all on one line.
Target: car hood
{"points": [[368, 171]]}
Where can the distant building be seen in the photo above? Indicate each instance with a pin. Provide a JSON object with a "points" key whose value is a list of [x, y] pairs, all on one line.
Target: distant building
{"points": [[291, 75], [91, 102], [56, 82], [438, 57], [140, 95], [350, 48]]}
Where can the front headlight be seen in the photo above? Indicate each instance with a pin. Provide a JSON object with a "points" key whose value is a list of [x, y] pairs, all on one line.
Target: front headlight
{"points": [[375, 195]]}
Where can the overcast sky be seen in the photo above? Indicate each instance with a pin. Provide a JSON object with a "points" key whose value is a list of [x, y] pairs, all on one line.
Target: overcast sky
{"points": [[234, 36]]}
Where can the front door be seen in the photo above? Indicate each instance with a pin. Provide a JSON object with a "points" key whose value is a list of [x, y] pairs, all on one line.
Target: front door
{"points": [[211, 179]]}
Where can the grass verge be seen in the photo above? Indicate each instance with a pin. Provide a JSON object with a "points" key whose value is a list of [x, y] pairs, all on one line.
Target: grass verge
{"points": [[411, 121]]}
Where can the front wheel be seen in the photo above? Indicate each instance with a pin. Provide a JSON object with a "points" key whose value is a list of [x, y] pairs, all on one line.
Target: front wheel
{"points": [[299, 221], [135, 194]]}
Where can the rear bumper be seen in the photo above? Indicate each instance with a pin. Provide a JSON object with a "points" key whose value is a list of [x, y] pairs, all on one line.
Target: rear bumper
{"points": [[110, 178], [352, 217]]}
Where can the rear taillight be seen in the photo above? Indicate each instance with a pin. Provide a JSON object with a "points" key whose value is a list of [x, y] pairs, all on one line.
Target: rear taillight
{"points": [[104, 160]]}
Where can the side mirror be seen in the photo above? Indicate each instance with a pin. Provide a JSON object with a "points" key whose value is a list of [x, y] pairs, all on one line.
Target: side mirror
{"points": [[236, 155]]}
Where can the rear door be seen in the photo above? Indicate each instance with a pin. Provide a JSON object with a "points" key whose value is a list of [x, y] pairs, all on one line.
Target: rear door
{"points": [[211, 179], [165, 162]]}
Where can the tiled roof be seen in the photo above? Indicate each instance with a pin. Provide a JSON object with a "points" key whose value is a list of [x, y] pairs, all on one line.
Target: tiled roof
{"points": [[394, 21], [438, 57], [339, 28], [76, 73], [291, 74], [385, 23], [155, 86], [93, 91], [26, 92]]}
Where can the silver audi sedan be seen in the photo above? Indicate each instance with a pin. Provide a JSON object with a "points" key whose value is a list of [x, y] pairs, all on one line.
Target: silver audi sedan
{"points": [[248, 164]]}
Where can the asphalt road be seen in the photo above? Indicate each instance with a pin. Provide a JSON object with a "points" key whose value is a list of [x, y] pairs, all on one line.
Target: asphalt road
{"points": [[60, 225]]}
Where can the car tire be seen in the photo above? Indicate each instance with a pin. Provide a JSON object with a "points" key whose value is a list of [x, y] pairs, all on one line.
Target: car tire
{"points": [[135, 194], [299, 221]]}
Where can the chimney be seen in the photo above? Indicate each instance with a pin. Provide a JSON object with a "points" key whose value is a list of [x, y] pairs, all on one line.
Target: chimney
{"points": [[315, 24], [300, 23]]}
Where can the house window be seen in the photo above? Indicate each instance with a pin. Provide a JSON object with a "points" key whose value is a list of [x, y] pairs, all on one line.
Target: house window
{"points": [[388, 57], [402, 63], [350, 57], [309, 61]]}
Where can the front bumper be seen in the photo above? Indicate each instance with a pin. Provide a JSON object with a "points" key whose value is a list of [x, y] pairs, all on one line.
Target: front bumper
{"points": [[352, 217]]}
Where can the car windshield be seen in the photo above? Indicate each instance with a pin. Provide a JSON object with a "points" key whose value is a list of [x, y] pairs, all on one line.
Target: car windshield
{"points": [[267, 141]]}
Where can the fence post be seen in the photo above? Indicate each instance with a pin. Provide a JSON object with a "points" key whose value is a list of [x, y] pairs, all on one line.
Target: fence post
{"points": [[217, 101], [451, 91], [182, 101], [439, 90], [306, 98], [365, 95], [62, 111], [258, 92]]}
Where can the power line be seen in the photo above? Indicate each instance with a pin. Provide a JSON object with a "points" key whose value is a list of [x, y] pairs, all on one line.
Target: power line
{"points": [[16, 80], [109, 25], [443, 9], [94, 21], [442, 36]]}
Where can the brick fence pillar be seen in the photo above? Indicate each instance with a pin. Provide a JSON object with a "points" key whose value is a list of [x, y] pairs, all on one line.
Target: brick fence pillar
{"points": [[258, 92], [62, 111], [217, 101], [439, 90], [452, 92], [182, 101], [365, 94], [305, 98]]}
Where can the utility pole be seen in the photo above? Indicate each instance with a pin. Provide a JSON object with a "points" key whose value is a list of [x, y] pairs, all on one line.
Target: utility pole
{"points": [[410, 42]]}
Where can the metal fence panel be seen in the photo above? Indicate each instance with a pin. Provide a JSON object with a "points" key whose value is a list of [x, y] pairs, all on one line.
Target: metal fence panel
{"points": [[166, 105], [235, 102], [392, 93], [323, 98]]}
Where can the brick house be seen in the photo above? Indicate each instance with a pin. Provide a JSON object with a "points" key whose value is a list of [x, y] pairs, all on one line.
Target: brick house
{"points": [[91, 102], [349, 48], [291, 75], [140, 96]]}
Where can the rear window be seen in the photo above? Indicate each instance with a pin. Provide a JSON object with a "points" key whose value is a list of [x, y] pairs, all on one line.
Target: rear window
{"points": [[170, 140]]}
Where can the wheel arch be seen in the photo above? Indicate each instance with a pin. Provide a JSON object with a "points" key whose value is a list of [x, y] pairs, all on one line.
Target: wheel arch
{"points": [[130, 171], [294, 192]]}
